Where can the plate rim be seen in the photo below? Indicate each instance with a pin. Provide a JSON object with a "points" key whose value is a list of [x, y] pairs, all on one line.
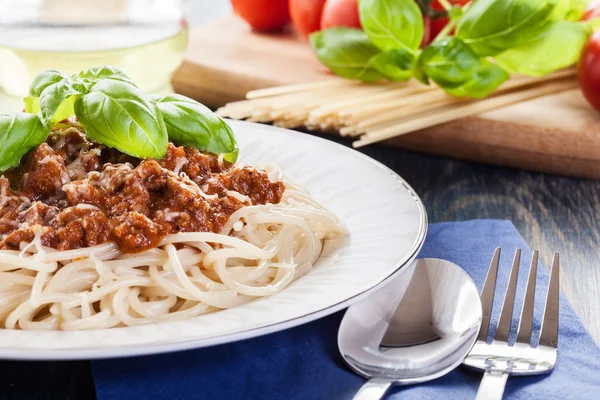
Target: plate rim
{"points": [[115, 352]]}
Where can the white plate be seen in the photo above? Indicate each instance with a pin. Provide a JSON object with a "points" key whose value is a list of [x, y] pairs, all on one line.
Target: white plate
{"points": [[387, 225]]}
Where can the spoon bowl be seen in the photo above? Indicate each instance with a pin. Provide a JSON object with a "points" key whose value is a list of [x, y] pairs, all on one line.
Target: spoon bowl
{"points": [[418, 327]]}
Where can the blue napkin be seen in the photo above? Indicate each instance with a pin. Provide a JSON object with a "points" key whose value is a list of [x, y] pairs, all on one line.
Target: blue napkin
{"points": [[304, 363]]}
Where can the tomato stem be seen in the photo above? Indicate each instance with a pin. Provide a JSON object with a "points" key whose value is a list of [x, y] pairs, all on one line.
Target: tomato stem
{"points": [[445, 31], [446, 4], [593, 24]]}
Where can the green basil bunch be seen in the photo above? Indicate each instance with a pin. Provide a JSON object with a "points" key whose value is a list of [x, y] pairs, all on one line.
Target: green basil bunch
{"points": [[113, 112], [493, 38], [387, 48]]}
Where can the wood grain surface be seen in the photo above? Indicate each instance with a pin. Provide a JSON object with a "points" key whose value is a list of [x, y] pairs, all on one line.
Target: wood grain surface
{"points": [[559, 133]]}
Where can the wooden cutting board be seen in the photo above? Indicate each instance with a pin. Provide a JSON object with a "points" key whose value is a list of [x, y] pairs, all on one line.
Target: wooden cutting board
{"points": [[557, 134]]}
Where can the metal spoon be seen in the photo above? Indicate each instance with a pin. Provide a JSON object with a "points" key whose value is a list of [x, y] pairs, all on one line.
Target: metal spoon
{"points": [[418, 327]]}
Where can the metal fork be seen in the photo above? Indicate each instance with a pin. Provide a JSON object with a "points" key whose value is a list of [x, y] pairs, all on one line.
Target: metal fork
{"points": [[499, 359]]}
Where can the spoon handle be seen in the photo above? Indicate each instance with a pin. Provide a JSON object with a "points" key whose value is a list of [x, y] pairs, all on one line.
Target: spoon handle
{"points": [[492, 385], [374, 389]]}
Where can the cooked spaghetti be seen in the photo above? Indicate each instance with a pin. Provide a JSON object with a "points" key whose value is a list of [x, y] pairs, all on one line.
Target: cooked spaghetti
{"points": [[92, 238]]}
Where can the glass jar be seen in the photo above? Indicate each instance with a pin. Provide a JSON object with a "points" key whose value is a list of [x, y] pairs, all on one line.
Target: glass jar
{"points": [[144, 38]]}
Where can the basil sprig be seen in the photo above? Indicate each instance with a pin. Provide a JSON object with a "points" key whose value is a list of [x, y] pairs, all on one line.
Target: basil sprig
{"points": [[493, 38], [113, 112]]}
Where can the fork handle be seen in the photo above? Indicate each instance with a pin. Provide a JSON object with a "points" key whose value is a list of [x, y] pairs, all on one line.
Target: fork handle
{"points": [[492, 385]]}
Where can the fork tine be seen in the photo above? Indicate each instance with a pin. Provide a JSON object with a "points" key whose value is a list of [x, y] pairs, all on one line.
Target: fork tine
{"points": [[503, 329], [524, 332], [487, 295], [549, 333]]}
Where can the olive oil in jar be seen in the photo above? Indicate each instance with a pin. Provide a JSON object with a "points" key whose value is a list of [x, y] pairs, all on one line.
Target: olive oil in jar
{"points": [[148, 63], [144, 39]]}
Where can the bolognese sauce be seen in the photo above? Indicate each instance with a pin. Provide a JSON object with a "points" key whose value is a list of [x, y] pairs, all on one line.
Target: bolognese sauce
{"points": [[74, 193]]}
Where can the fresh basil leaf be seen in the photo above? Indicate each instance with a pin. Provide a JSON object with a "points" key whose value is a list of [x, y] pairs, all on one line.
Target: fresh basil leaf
{"points": [[449, 62], [43, 80], [560, 46], [392, 24], [56, 101], [457, 69], [118, 115], [19, 134], [62, 91], [32, 104], [569, 10], [66, 109], [592, 25], [485, 80], [346, 51], [395, 64], [420, 75], [189, 123], [96, 74], [490, 27]]}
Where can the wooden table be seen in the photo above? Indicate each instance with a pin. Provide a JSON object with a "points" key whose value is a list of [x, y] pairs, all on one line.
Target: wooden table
{"points": [[552, 213]]}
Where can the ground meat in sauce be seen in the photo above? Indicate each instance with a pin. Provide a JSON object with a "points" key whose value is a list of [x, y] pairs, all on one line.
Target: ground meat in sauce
{"points": [[74, 193]]}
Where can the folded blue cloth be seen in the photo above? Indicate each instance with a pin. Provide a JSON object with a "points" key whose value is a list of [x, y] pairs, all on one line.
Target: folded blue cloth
{"points": [[304, 362]]}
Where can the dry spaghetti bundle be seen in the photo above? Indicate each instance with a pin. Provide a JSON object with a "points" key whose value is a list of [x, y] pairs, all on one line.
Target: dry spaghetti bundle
{"points": [[373, 112]]}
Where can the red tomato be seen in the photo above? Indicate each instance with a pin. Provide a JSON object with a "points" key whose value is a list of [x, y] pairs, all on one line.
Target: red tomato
{"points": [[306, 15], [263, 15], [592, 10], [340, 13], [588, 71], [437, 24], [588, 68]]}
